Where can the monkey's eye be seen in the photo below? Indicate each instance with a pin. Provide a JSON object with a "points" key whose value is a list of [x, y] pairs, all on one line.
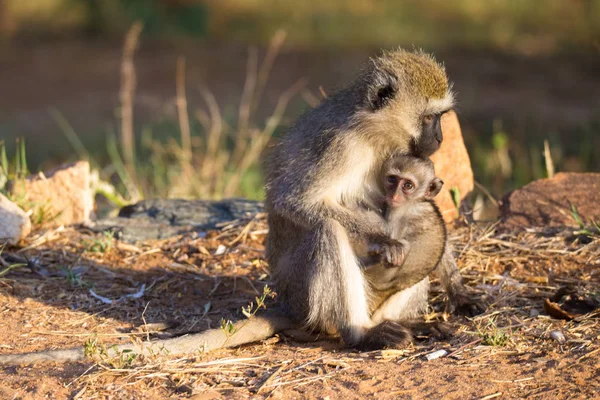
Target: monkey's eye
{"points": [[428, 119], [408, 186], [392, 180]]}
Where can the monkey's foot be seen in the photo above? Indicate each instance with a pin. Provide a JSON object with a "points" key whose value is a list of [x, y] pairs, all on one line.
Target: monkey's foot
{"points": [[436, 329], [387, 334], [464, 305]]}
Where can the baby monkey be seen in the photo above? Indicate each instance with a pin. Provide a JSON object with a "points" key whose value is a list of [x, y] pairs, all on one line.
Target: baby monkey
{"points": [[409, 185]]}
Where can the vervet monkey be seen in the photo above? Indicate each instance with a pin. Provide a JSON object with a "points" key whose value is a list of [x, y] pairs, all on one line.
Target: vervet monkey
{"points": [[324, 167], [409, 185]]}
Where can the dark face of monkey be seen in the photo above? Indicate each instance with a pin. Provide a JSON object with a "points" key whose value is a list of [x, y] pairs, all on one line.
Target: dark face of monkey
{"points": [[431, 136], [407, 179]]}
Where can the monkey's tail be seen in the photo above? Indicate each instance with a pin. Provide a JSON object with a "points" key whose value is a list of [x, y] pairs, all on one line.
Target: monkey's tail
{"points": [[244, 331]]}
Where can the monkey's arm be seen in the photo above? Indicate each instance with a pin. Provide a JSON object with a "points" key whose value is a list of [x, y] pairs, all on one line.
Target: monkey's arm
{"points": [[325, 182], [315, 208], [245, 331]]}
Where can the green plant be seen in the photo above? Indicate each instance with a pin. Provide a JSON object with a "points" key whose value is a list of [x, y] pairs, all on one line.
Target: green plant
{"points": [[41, 213], [593, 231], [100, 245], [249, 311], [15, 170], [119, 359], [491, 335], [90, 347], [204, 153], [455, 193], [73, 278]]}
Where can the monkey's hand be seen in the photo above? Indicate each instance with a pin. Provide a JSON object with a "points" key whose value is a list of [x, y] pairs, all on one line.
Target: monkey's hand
{"points": [[393, 252]]}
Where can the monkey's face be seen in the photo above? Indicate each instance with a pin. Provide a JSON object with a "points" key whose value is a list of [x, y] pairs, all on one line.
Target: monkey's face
{"points": [[406, 179], [401, 189], [431, 136], [408, 95]]}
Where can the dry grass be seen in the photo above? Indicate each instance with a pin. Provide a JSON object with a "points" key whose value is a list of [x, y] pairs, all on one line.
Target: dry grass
{"points": [[192, 283], [202, 153], [207, 162]]}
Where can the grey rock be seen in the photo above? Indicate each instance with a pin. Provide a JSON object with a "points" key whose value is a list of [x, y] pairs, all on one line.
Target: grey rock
{"points": [[164, 218]]}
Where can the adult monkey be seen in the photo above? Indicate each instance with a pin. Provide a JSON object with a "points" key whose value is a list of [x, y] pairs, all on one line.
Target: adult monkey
{"points": [[324, 167]]}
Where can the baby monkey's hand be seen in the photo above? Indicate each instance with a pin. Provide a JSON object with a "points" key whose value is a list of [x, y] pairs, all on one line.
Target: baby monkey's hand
{"points": [[393, 252]]}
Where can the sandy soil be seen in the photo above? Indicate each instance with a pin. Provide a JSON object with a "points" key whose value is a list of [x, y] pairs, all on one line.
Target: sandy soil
{"points": [[49, 305]]}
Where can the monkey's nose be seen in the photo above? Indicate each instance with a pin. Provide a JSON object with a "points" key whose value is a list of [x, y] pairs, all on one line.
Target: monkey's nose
{"points": [[437, 129]]}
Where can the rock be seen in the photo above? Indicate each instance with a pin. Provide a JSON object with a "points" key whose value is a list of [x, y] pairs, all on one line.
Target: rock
{"points": [[453, 166], [436, 354], [558, 336], [547, 202], [62, 196], [14, 223], [160, 219]]}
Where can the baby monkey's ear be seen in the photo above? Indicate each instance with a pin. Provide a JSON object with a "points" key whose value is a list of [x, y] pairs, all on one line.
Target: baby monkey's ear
{"points": [[434, 188]]}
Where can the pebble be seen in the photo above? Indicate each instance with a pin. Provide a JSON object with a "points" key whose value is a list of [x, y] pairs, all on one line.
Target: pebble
{"points": [[558, 336], [220, 250], [436, 354]]}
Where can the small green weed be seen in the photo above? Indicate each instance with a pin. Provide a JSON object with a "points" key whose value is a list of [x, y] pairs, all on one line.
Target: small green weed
{"points": [[491, 335], [455, 193], [119, 360], [100, 245], [249, 311], [73, 278], [588, 231], [7, 267], [15, 170]]}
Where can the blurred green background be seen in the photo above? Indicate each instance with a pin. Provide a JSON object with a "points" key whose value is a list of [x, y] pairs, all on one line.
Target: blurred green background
{"points": [[524, 72]]}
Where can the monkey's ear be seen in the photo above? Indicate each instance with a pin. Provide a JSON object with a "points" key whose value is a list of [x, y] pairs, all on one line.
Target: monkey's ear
{"points": [[383, 88], [434, 188]]}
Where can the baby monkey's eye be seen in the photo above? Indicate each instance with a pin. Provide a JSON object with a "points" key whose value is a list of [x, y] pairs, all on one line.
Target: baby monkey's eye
{"points": [[392, 180], [408, 186], [428, 119]]}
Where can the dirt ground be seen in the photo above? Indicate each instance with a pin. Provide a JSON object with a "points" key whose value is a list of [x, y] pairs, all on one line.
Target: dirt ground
{"points": [[59, 299]]}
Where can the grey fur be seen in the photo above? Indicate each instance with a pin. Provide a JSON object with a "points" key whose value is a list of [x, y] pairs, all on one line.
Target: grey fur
{"points": [[418, 222], [324, 167]]}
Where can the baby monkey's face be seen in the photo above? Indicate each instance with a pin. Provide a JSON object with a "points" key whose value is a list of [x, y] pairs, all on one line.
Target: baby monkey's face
{"points": [[410, 179]]}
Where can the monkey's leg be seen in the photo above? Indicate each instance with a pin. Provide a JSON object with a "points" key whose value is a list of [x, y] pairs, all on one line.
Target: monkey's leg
{"points": [[337, 295], [405, 305], [393, 318], [452, 281], [245, 331]]}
